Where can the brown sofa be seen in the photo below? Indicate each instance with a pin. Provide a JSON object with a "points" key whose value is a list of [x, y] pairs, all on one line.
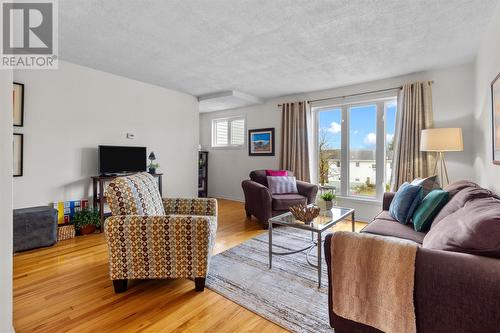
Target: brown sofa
{"points": [[262, 204], [455, 289]]}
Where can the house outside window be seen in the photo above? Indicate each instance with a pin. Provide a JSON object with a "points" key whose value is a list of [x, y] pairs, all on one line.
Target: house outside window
{"points": [[352, 139]]}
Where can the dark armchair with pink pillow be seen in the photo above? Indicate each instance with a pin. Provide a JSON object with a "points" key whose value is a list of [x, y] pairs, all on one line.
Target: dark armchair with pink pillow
{"points": [[263, 204]]}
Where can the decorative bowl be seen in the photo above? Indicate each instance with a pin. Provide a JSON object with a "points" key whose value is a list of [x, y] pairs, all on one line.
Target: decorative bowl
{"points": [[304, 213]]}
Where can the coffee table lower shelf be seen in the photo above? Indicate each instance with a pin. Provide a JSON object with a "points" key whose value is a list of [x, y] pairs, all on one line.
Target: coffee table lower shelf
{"points": [[320, 224]]}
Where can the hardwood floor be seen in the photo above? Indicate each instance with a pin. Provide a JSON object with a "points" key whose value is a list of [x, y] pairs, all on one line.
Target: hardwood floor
{"points": [[65, 288]]}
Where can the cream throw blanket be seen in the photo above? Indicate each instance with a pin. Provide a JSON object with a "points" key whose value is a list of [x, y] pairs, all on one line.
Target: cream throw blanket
{"points": [[373, 280]]}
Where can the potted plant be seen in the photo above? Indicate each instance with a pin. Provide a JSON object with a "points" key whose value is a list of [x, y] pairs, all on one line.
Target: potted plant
{"points": [[86, 221], [328, 198], [152, 167]]}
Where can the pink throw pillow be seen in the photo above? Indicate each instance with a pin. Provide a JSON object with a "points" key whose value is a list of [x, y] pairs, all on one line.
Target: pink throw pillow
{"points": [[277, 173]]}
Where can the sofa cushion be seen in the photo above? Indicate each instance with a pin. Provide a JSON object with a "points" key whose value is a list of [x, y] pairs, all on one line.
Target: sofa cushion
{"points": [[428, 209], [459, 199], [384, 215], [394, 229], [428, 184], [405, 201], [474, 229], [284, 201], [459, 185]]}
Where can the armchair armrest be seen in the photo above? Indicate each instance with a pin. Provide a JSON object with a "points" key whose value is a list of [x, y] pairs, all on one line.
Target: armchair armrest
{"points": [[190, 206], [159, 247], [386, 201], [258, 200], [308, 190]]}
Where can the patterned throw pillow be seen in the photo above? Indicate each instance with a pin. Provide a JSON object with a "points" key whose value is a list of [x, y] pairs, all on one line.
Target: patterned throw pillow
{"points": [[282, 184], [428, 184], [405, 201]]}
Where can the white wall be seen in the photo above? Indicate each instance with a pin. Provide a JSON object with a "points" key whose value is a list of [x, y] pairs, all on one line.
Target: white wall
{"points": [[453, 99], [487, 68], [6, 201], [70, 111]]}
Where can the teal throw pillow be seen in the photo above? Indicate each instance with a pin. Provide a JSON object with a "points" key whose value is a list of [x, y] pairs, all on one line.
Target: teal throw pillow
{"points": [[429, 208], [405, 201]]}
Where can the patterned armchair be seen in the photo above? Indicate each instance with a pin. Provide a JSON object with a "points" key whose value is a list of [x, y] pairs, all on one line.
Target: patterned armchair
{"points": [[151, 238]]}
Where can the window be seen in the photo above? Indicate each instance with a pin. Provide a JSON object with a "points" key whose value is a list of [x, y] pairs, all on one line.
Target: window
{"points": [[228, 132], [353, 138]]}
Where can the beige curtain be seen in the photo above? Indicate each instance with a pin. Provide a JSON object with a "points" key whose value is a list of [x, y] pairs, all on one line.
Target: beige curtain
{"points": [[414, 115], [294, 139]]}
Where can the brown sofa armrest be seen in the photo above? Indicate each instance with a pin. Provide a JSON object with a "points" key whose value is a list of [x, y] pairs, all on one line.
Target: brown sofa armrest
{"points": [[258, 200], [456, 292], [308, 190], [386, 201], [453, 292]]}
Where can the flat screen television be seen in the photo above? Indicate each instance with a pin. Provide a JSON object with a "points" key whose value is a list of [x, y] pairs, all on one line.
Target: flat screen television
{"points": [[121, 159]]}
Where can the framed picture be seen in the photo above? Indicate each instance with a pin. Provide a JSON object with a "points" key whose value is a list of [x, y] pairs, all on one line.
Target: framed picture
{"points": [[261, 142], [18, 102], [495, 104], [18, 154]]}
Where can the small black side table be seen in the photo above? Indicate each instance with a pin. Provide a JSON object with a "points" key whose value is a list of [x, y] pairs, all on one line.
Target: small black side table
{"points": [[98, 183]]}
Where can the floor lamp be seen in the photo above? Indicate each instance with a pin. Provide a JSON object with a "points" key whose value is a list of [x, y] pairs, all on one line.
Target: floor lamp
{"points": [[441, 140]]}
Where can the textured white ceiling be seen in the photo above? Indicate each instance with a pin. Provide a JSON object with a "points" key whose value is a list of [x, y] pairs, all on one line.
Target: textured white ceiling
{"points": [[269, 48]]}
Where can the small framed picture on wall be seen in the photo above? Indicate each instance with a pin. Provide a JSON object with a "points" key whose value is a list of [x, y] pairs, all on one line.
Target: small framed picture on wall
{"points": [[18, 154], [18, 103], [495, 104], [261, 142]]}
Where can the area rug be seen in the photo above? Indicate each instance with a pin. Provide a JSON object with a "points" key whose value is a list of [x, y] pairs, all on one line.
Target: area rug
{"points": [[287, 294]]}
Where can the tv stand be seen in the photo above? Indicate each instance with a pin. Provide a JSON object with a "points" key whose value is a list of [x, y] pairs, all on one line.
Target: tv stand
{"points": [[99, 198]]}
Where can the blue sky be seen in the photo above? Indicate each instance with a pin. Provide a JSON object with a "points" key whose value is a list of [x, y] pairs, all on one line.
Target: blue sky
{"points": [[362, 127], [261, 137]]}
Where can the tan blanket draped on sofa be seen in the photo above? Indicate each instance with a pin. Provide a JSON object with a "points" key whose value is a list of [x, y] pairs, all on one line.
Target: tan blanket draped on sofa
{"points": [[373, 281]]}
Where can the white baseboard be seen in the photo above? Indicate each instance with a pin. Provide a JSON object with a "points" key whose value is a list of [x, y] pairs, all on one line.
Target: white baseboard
{"points": [[225, 197]]}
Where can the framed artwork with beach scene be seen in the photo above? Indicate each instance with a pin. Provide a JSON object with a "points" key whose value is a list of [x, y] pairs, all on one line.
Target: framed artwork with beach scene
{"points": [[261, 142], [495, 105]]}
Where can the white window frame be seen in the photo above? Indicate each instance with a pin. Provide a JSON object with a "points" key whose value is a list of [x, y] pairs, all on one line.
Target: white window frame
{"points": [[229, 122], [344, 105]]}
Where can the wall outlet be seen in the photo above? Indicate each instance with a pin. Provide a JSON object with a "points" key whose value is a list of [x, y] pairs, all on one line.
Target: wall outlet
{"points": [[130, 136]]}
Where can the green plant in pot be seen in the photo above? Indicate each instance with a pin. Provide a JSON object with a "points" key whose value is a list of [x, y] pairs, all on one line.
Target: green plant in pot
{"points": [[328, 198], [152, 167], [86, 221]]}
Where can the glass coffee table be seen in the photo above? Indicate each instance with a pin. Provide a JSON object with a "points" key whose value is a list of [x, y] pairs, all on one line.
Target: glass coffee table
{"points": [[324, 221]]}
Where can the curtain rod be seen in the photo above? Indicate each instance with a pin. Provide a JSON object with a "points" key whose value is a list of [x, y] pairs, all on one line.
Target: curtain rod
{"points": [[351, 95]]}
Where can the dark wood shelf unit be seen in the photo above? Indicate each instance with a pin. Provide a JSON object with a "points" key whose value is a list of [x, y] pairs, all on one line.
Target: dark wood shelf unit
{"points": [[99, 199], [203, 174]]}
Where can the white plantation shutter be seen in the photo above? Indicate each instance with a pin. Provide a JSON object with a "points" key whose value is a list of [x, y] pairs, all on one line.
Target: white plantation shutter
{"points": [[238, 132], [228, 132], [221, 133]]}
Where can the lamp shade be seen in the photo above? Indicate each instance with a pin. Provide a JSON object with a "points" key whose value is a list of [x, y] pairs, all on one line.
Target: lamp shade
{"points": [[152, 156], [441, 139]]}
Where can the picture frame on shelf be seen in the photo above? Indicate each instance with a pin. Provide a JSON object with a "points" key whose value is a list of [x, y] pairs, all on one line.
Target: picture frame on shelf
{"points": [[18, 150], [495, 112], [18, 104], [261, 142]]}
